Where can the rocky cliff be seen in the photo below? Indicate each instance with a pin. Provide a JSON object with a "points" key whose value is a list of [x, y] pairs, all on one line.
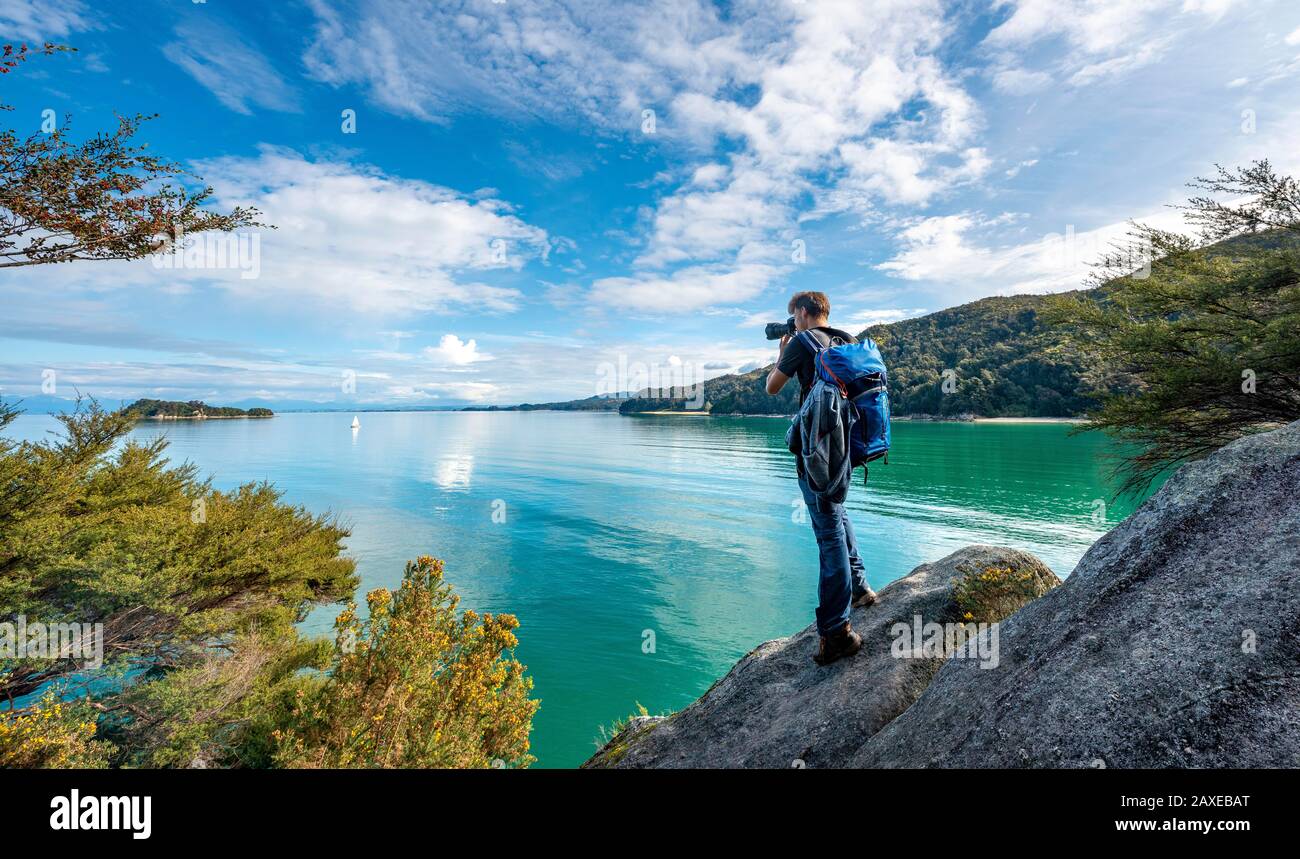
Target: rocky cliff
{"points": [[775, 708], [1174, 643]]}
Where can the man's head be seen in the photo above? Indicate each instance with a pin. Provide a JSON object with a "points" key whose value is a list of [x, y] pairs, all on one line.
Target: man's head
{"points": [[809, 309]]}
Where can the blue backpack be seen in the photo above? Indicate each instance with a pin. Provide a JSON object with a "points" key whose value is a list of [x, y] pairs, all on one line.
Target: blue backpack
{"points": [[858, 372]]}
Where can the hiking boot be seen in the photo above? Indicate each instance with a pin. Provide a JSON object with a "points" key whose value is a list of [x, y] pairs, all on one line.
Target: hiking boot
{"points": [[839, 644], [864, 599]]}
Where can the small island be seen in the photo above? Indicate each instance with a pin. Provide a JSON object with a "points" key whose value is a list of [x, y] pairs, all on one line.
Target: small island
{"points": [[196, 410]]}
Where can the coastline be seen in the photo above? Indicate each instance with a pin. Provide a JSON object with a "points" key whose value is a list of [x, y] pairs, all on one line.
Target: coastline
{"points": [[911, 418], [1030, 420], [204, 417]]}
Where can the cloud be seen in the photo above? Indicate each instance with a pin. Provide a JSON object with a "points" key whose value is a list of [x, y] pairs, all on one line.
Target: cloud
{"points": [[594, 63], [230, 68], [952, 253], [855, 322], [1014, 170], [350, 242], [37, 21], [451, 350], [474, 392], [355, 237], [1294, 37], [1103, 38], [1021, 81], [1121, 65], [843, 106], [684, 290], [850, 109]]}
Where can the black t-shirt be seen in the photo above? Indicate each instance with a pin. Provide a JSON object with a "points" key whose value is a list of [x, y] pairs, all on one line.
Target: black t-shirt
{"points": [[797, 362]]}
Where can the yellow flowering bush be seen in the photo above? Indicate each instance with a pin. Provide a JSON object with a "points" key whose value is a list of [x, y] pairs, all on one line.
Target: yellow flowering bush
{"points": [[992, 594], [51, 733], [414, 685]]}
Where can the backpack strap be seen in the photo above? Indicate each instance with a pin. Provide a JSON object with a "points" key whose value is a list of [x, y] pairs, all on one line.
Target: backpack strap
{"points": [[811, 343]]}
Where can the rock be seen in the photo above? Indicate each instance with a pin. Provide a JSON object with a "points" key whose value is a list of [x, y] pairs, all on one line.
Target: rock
{"points": [[1174, 643], [776, 708]]}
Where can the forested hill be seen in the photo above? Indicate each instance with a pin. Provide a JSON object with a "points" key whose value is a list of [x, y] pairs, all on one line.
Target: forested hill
{"points": [[1005, 362], [194, 409]]}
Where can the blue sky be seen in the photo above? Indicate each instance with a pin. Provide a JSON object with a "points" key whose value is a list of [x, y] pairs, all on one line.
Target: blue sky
{"points": [[537, 192]]}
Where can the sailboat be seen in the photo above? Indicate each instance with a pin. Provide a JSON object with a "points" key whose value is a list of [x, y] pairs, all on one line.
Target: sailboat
{"points": [[356, 424]]}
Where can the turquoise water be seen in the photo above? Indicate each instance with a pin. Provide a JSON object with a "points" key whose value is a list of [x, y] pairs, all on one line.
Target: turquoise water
{"points": [[617, 528]]}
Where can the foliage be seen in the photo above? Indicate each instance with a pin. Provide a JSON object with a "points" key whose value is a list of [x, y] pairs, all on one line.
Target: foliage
{"points": [[415, 686], [995, 593], [101, 198], [95, 528], [193, 408], [1209, 329], [1005, 362], [199, 593], [52, 734]]}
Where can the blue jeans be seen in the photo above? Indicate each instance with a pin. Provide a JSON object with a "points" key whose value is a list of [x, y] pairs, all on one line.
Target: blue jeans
{"points": [[842, 574]]}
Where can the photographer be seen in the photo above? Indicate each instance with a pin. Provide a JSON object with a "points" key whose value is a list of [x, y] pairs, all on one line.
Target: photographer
{"points": [[842, 584]]}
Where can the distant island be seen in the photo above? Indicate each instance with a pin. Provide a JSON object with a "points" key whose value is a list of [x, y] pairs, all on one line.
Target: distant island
{"points": [[195, 410], [590, 404]]}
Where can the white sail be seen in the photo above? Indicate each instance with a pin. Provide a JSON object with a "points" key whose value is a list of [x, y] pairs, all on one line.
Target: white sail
{"points": [[356, 424]]}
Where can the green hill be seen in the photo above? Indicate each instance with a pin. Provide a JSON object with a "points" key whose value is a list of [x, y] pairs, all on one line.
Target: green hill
{"points": [[1005, 362], [192, 410], [590, 404]]}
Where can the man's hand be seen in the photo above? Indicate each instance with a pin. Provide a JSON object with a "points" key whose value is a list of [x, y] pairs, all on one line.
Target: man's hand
{"points": [[776, 379]]}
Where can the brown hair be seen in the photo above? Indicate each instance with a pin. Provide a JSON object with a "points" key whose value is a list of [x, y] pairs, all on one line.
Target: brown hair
{"points": [[816, 303]]}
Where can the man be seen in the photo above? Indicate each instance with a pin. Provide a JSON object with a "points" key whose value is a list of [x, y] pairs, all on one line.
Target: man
{"points": [[842, 585]]}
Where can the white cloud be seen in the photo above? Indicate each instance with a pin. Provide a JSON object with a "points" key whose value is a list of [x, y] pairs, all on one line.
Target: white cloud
{"points": [[1015, 169], [1021, 81], [846, 106], [475, 392], [686, 289], [354, 237], [452, 350], [349, 241], [233, 70], [855, 322], [36, 21], [598, 63], [948, 252], [1294, 37], [1103, 38], [1121, 65]]}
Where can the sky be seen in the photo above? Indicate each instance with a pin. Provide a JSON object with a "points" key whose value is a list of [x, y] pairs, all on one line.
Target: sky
{"points": [[497, 202]]}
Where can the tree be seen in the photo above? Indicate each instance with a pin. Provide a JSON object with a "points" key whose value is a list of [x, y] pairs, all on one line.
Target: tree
{"points": [[199, 593], [1206, 323], [415, 686], [103, 198]]}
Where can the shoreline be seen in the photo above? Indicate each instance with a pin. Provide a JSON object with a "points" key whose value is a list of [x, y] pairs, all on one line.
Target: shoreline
{"points": [[907, 418], [204, 417]]}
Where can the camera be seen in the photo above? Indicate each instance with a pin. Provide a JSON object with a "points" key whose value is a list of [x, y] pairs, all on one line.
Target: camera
{"points": [[777, 330]]}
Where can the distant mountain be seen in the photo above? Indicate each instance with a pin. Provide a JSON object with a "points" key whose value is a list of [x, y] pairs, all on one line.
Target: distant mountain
{"points": [[192, 410], [1005, 362], [590, 404], [40, 404]]}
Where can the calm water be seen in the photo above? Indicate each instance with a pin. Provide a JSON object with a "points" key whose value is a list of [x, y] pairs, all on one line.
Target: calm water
{"points": [[614, 526]]}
